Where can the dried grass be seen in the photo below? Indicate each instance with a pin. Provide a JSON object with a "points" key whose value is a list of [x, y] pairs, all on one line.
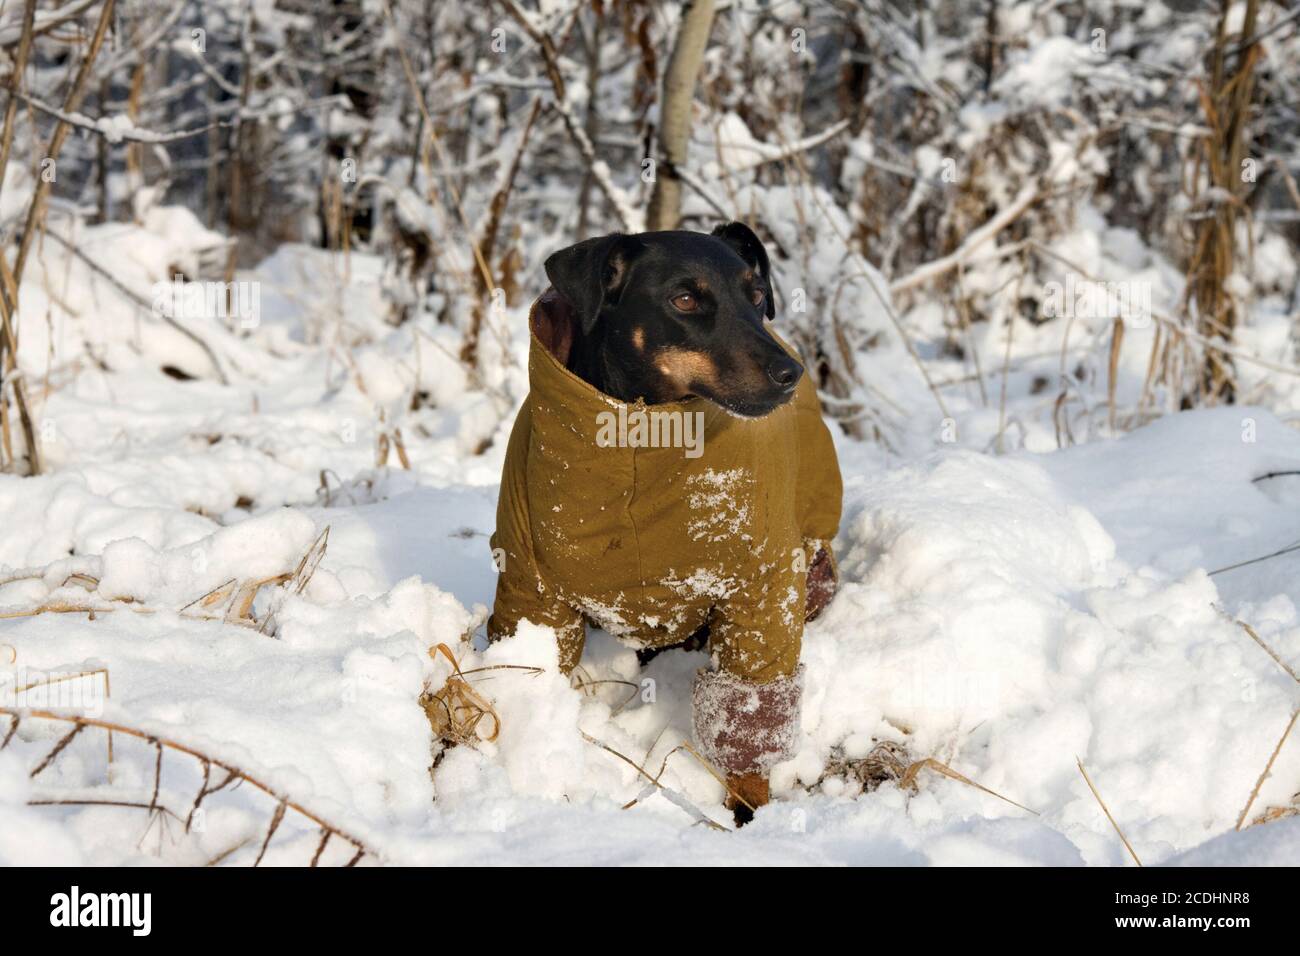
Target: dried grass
{"points": [[231, 602], [385, 442], [101, 672], [887, 762], [456, 710], [586, 685], [908, 781], [1112, 369], [1272, 813], [1264, 774], [673, 796], [1106, 810], [233, 775], [891, 762]]}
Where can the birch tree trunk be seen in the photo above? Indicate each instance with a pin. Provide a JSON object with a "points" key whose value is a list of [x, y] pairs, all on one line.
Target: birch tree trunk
{"points": [[675, 112]]}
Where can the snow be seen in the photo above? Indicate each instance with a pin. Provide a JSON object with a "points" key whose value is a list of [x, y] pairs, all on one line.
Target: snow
{"points": [[1274, 845], [1043, 75], [1007, 615]]}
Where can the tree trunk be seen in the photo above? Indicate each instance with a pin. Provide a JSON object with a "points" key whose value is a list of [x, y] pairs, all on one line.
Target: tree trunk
{"points": [[675, 112]]}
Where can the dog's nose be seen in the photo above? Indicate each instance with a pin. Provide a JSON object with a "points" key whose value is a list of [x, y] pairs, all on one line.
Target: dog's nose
{"points": [[785, 372]]}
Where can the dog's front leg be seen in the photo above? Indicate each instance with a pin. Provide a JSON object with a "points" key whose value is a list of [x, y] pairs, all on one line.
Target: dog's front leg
{"points": [[744, 728]]}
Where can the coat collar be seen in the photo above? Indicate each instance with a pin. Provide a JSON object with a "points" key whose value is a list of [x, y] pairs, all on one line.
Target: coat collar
{"points": [[578, 404]]}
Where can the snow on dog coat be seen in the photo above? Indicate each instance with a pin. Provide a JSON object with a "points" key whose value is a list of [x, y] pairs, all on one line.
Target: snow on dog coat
{"points": [[653, 526]]}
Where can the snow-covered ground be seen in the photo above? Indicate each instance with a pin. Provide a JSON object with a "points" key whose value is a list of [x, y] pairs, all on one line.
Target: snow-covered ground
{"points": [[1007, 615]]}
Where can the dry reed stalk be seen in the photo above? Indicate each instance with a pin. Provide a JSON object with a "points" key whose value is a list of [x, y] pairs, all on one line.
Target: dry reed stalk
{"points": [[234, 773], [1268, 768], [1112, 369], [1226, 105], [241, 609], [303, 573], [551, 59], [15, 82], [717, 775], [6, 437], [487, 239], [1006, 376], [237, 598], [1106, 810], [64, 607], [663, 767], [62, 678], [673, 795], [908, 780], [587, 686], [400, 446], [235, 848], [276, 818], [238, 140], [1185, 335], [10, 373], [428, 126], [139, 301], [71, 103], [1277, 658], [1149, 380], [1273, 814]]}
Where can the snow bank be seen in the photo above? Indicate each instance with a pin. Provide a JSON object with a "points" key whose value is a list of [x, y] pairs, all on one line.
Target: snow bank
{"points": [[1004, 615]]}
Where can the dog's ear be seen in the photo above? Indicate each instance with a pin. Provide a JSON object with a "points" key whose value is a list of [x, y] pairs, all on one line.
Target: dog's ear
{"points": [[591, 273], [750, 248]]}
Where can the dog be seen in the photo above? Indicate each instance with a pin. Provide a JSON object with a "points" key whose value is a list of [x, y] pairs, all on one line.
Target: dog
{"points": [[670, 476], [688, 319]]}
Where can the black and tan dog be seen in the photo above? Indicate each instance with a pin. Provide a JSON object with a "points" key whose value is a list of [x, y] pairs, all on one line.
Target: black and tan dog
{"points": [[670, 474], [686, 318]]}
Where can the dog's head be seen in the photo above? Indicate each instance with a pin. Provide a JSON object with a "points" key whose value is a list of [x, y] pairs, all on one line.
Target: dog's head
{"points": [[667, 315]]}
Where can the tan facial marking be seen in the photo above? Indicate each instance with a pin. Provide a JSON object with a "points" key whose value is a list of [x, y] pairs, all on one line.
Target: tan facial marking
{"points": [[638, 339], [684, 367]]}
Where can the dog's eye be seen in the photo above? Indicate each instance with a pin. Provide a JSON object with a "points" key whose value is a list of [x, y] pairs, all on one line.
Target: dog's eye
{"points": [[685, 302], [757, 297]]}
